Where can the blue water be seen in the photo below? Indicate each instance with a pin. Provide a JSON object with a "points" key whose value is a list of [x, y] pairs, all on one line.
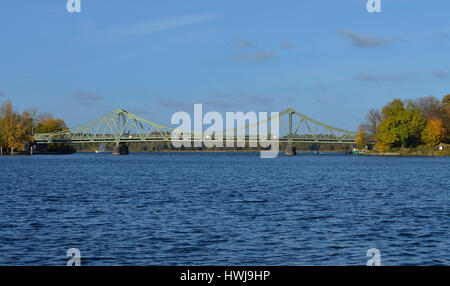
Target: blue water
{"points": [[224, 209]]}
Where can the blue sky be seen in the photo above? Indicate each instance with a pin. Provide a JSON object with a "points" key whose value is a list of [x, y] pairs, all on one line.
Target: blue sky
{"points": [[331, 60]]}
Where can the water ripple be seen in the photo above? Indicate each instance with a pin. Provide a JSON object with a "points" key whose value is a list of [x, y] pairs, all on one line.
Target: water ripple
{"points": [[223, 209]]}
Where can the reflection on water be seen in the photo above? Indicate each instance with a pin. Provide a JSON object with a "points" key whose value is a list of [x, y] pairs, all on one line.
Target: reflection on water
{"points": [[223, 209]]}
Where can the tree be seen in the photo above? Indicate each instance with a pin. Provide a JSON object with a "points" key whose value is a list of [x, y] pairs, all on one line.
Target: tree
{"points": [[445, 116], [429, 106], [434, 132], [401, 125], [373, 119], [386, 135], [361, 138], [24, 130], [446, 101], [2, 129], [9, 123], [15, 128], [48, 125]]}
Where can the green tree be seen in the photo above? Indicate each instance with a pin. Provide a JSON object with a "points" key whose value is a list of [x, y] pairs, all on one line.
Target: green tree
{"points": [[400, 126], [445, 116], [48, 125]]}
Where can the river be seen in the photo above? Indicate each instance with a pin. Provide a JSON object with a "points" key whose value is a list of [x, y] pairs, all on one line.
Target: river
{"points": [[224, 209]]}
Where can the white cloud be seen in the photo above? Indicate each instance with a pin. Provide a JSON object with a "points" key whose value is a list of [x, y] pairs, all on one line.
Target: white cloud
{"points": [[364, 41], [440, 74], [87, 98], [385, 77], [287, 45], [255, 57], [243, 42], [146, 27]]}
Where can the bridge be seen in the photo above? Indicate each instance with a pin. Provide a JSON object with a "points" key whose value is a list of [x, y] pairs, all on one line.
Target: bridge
{"points": [[122, 127]]}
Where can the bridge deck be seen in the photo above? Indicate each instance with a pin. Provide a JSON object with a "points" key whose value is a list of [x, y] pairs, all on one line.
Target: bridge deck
{"points": [[168, 139]]}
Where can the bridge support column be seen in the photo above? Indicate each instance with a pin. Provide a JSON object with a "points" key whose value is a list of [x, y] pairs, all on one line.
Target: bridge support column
{"points": [[120, 149], [290, 150]]}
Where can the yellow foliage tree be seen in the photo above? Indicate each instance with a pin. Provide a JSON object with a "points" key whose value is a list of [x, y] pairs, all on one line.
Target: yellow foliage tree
{"points": [[381, 147], [361, 138], [401, 125], [9, 122], [15, 129], [434, 132], [49, 125]]}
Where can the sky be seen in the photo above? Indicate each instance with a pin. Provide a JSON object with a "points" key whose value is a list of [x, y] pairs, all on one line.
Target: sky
{"points": [[328, 59]]}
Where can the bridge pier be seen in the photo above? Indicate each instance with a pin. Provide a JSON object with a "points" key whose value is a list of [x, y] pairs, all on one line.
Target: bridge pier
{"points": [[290, 150], [120, 149]]}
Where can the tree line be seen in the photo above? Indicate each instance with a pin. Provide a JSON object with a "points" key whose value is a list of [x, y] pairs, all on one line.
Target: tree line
{"points": [[400, 123], [17, 129], [407, 123]]}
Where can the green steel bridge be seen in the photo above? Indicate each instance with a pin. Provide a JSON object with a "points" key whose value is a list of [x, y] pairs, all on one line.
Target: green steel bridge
{"points": [[121, 127]]}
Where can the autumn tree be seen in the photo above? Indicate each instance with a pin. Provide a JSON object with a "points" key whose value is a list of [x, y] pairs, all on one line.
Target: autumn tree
{"points": [[48, 125], [446, 101], [24, 130], [15, 129], [401, 125], [361, 138], [445, 116], [434, 132], [9, 121], [2, 129]]}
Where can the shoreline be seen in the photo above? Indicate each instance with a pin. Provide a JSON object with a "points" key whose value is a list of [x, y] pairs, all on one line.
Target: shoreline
{"points": [[400, 153], [394, 154], [409, 153]]}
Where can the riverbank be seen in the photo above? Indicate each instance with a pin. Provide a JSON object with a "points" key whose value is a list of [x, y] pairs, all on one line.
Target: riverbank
{"points": [[234, 151], [28, 153], [421, 150]]}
